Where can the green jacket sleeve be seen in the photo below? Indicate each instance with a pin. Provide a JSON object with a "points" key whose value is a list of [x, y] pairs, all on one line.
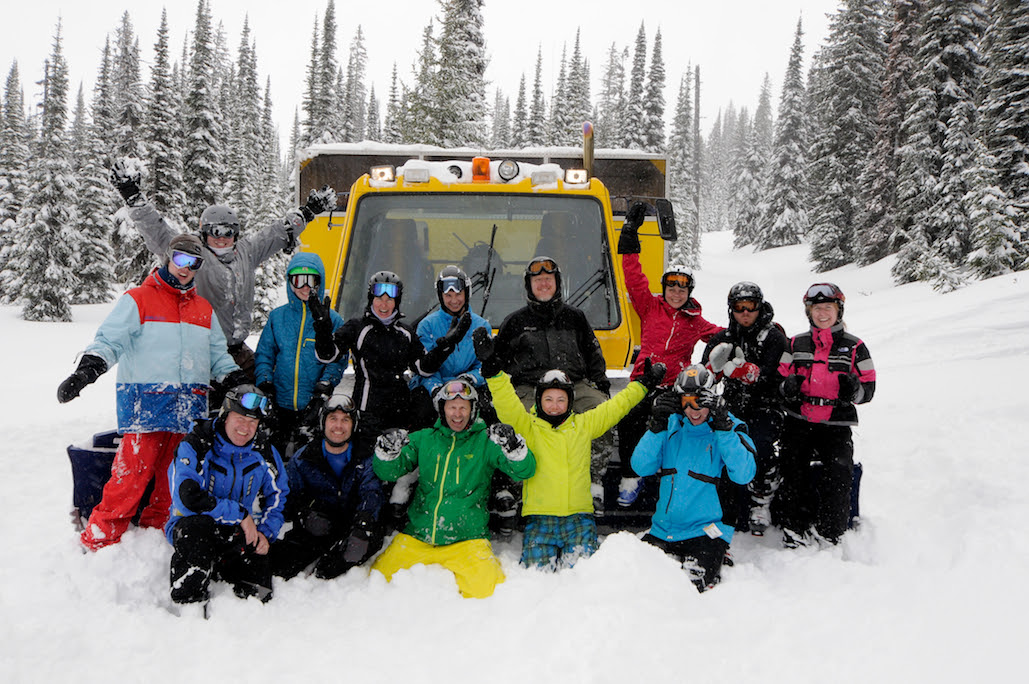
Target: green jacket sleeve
{"points": [[516, 470]]}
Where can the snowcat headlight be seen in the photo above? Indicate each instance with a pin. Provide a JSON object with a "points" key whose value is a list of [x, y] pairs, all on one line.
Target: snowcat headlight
{"points": [[508, 170], [416, 175], [543, 177], [383, 174], [576, 176]]}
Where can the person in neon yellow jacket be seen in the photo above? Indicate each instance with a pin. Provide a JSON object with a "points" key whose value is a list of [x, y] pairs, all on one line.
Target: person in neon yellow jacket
{"points": [[556, 501]]}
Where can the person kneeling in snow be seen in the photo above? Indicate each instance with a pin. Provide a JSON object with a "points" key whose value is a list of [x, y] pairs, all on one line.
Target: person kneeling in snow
{"points": [[218, 474], [334, 500], [688, 455], [448, 517]]}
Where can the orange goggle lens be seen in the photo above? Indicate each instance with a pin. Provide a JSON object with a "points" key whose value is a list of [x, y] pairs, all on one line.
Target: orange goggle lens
{"points": [[691, 400], [744, 305], [678, 280], [544, 266]]}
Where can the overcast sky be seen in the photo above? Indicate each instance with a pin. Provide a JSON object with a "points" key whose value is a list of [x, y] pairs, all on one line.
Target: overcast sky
{"points": [[734, 43]]}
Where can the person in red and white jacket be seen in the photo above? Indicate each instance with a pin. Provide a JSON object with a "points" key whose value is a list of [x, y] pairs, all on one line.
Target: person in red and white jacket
{"points": [[671, 324], [827, 372]]}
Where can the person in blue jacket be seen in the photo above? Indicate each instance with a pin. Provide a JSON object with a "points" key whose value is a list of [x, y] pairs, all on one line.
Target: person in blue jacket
{"points": [[228, 495], [691, 437], [334, 500], [287, 370]]}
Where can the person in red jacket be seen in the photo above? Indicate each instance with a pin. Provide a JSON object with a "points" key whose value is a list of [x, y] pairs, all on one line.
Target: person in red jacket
{"points": [[671, 324]]}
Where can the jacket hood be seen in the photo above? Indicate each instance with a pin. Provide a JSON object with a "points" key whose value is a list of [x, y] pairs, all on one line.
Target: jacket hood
{"points": [[311, 261]]}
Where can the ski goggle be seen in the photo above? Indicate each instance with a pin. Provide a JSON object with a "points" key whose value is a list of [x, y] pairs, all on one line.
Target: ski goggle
{"points": [[300, 280], [456, 389], [692, 401], [340, 402], [222, 230], [391, 290], [452, 285], [679, 280], [745, 305], [185, 260], [538, 266], [824, 292], [252, 401]]}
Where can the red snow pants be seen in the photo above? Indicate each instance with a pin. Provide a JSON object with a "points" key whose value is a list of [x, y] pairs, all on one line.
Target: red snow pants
{"points": [[140, 458]]}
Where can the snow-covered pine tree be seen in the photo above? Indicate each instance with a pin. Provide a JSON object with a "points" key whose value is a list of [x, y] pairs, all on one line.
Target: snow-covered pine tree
{"points": [[876, 220], [682, 182], [611, 108], [163, 135], [750, 176], [578, 92], [846, 89], [391, 127], [520, 118], [784, 213], [275, 197], [245, 145], [15, 138], [94, 208], [633, 135], [654, 100], [715, 178], [203, 123], [421, 119], [536, 125], [373, 124], [500, 136], [997, 247], [43, 261], [355, 92], [311, 99], [560, 123], [326, 128], [461, 78]]}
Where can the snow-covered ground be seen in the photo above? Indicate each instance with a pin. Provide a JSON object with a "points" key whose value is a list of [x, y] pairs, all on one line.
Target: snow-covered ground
{"points": [[931, 589]]}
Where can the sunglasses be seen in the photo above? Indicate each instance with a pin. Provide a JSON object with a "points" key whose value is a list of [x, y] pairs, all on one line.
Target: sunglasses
{"points": [[456, 389], [304, 280], [252, 401], [222, 230], [745, 306], [541, 266], [184, 260], [679, 280], [391, 290], [452, 285]]}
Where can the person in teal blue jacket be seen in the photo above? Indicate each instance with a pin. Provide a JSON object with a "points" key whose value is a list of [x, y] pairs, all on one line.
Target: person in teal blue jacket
{"points": [[691, 438], [286, 367]]}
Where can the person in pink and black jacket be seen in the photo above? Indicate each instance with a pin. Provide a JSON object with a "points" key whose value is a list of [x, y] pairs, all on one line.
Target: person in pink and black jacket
{"points": [[827, 372]]}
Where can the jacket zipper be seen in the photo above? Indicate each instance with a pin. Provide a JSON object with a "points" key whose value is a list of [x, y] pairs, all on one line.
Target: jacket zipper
{"points": [[439, 501], [296, 358]]}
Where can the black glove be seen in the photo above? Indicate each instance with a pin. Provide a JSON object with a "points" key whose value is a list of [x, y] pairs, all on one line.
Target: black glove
{"points": [[318, 202], [509, 441], [324, 344], [485, 352], [356, 549], [236, 378], [390, 443], [791, 387], [322, 390], [90, 368], [268, 387], [317, 524], [458, 327], [629, 240], [126, 181], [653, 374], [718, 411], [850, 385], [664, 406]]}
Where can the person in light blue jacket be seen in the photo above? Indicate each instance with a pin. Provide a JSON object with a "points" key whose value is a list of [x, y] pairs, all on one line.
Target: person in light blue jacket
{"points": [[691, 439], [287, 369]]}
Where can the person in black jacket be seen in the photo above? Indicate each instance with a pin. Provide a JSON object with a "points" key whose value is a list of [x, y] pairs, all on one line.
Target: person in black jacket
{"points": [[334, 501], [746, 355], [546, 334]]}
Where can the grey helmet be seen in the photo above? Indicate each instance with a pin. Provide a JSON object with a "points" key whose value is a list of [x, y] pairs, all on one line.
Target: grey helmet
{"points": [[220, 221]]}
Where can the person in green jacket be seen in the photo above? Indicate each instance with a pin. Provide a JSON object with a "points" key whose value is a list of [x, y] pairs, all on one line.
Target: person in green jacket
{"points": [[448, 517], [556, 501]]}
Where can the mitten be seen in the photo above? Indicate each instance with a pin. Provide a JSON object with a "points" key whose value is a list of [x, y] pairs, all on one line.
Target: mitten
{"points": [[629, 240], [458, 327], [90, 368], [791, 387], [509, 441], [653, 374], [720, 355], [484, 351], [850, 385]]}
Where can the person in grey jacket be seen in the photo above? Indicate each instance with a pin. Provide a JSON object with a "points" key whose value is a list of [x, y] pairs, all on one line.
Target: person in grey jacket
{"points": [[228, 281]]}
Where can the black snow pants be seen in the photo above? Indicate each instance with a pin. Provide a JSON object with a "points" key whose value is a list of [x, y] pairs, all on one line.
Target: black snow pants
{"points": [[701, 557], [206, 550]]}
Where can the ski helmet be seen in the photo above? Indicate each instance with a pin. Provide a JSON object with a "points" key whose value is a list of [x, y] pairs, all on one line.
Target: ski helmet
{"points": [[338, 402], [453, 279], [823, 292], [385, 282], [554, 379], [220, 221], [246, 400], [542, 264], [693, 382], [460, 387], [745, 290], [680, 275]]}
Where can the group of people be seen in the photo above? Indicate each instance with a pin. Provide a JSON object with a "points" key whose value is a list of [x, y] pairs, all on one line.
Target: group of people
{"points": [[446, 422]]}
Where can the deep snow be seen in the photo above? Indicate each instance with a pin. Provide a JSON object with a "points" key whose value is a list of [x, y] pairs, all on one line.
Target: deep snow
{"points": [[932, 587]]}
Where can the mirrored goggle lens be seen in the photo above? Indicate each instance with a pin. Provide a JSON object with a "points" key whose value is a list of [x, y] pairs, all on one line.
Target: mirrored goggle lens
{"points": [[679, 280], [253, 401], [744, 305], [304, 279], [389, 289], [691, 400], [453, 390], [184, 260], [821, 290], [542, 266], [222, 230], [452, 285], [340, 403]]}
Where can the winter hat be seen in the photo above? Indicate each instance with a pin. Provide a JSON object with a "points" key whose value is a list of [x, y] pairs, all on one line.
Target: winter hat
{"points": [[189, 244]]}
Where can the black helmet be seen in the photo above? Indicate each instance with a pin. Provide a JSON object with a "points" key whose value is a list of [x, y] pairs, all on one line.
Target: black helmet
{"points": [[554, 379], [246, 400], [337, 402], [220, 221], [745, 290], [452, 278], [460, 387], [823, 292], [542, 264], [384, 279]]}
